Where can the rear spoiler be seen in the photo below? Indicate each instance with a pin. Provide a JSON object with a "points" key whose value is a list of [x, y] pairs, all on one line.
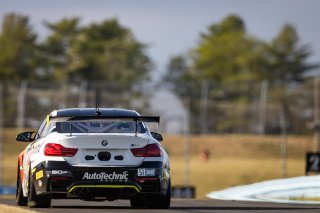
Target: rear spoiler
{"points": [[150, 119]]}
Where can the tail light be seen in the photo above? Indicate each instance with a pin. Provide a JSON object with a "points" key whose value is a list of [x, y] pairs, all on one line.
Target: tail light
{"points": [[53, 149], [151, 150]]}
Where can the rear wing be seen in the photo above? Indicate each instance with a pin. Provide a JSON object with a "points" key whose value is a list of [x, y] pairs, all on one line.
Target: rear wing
{"points": [[148, 119], [99, 115]]}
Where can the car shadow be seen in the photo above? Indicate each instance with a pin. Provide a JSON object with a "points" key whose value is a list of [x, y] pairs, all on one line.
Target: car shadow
{"points": [[195, 208]]}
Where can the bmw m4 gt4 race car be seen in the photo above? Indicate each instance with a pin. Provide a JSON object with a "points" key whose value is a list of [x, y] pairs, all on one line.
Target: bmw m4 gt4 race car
{"points": [[94, 155]]}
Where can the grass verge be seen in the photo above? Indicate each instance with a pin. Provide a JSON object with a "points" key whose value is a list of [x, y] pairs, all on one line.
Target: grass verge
{"points": [[11, 209]]}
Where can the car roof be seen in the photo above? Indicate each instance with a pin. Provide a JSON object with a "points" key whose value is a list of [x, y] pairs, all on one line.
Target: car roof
{"points": [[87, 112]]}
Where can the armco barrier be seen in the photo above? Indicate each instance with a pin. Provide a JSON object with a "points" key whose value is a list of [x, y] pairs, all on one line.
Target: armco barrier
{"points": [[6, 190]]}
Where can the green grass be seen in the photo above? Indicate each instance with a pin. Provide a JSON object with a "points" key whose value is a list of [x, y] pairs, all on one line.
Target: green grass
{"points": [[11, 149], [317, 199], [235, 159], [12, 209]]}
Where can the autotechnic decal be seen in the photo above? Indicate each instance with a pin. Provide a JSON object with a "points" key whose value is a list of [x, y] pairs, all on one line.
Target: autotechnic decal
{"points": [[102, 176]]}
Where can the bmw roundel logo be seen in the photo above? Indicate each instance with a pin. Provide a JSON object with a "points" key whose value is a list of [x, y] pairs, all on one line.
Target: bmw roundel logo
{"points": [[104, 142]]}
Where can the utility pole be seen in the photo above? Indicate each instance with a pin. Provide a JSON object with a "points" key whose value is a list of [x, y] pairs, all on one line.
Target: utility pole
{"points": [[1, 134], [284, 142], [83, 94], [187, 145], [21, 104], [64, 95], [316, 119], [204, 106], [262, 107]]}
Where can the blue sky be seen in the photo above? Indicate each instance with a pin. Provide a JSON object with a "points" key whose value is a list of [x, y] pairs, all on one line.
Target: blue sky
{"points": [[171, 27]]}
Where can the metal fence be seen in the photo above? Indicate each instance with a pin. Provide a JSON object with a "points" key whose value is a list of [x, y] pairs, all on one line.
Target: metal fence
{"points": [[252, 108], [26, 103], [238, 107]]}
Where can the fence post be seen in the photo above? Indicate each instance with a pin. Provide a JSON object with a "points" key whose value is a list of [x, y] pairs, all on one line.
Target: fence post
{"points": [[284, 142], [21, 104], [83, 94], [262, 107], [204, 106], [1, 134], [316, 118], [187, 145]]}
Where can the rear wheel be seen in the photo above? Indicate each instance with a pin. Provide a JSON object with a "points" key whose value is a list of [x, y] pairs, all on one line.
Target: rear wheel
{"points": [[20, 199], [138, 202], [161, 202], [37, 201]]}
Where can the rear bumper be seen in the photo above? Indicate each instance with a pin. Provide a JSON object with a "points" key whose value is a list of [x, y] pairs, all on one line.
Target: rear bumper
{"points": [[61, 180]]}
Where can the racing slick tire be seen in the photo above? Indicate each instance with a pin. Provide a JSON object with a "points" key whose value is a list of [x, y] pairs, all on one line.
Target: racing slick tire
{"points": [[138, 202], [155, 202], [161, 202], [37, 201], [20, 199]]}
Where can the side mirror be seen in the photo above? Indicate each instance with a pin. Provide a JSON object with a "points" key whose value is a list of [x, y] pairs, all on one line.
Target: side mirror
{"points": [[25, 137], [157, 136]]}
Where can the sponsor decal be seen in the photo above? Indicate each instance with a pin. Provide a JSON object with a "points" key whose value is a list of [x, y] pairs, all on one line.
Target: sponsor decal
{"points": [[59, 172], [102, 176], [39, 174], [40, 183]]}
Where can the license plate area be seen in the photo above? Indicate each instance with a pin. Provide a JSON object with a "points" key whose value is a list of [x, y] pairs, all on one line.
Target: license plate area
{"points": [[104, 156], [146, 172]]}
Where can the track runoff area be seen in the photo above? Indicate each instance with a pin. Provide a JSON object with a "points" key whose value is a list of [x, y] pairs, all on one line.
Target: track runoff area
{"points": [[178, 205], [269, 196]]}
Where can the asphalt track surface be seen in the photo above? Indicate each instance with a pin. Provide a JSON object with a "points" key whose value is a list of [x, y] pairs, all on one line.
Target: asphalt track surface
{"points": [[209, 205]]}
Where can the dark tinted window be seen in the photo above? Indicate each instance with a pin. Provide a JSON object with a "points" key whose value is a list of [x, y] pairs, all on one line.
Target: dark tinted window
{"points": [[99, 127]]}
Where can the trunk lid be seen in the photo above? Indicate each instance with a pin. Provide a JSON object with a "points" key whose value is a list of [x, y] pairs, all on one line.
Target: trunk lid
{"points": [[104, 149]]}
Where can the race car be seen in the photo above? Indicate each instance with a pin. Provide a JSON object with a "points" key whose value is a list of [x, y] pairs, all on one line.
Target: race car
{"points": [[94, 155]]}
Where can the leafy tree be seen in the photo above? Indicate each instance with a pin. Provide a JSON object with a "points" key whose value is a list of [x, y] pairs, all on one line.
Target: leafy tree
{"points": [[178, 75], [19, 58], [234, 64], [225, 52], [287, 58], [18, 49], [58, 46], [108, 51], [287, 61]]}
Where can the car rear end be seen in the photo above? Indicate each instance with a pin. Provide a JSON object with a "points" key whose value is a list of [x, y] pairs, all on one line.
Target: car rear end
{"points": [[102, 166]]}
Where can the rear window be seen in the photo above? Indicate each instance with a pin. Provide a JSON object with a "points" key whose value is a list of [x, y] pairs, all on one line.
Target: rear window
{"points": [[99, 127]]}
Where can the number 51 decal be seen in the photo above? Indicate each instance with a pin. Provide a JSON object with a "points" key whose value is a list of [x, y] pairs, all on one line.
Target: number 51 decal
{"points": [[146, 172]]}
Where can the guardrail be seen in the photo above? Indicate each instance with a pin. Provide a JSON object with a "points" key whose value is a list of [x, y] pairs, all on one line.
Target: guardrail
{"points": [[6, 190]]}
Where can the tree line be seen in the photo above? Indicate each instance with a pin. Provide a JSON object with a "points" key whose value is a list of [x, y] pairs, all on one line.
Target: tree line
{"points": [[229, 63], [104, 51], [104, 56], [215, 79]]}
